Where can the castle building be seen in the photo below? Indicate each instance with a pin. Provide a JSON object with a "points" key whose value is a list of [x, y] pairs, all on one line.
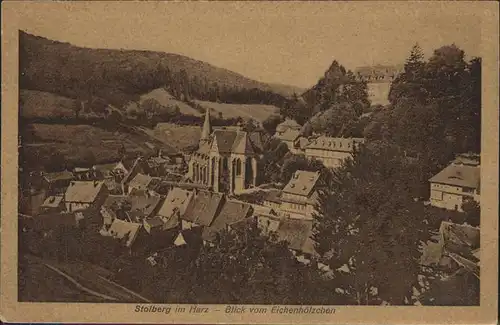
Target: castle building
{"points": [[226, 159]]}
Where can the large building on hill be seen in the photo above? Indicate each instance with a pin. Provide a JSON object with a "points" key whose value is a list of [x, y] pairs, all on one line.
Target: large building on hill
{"points": [[378, 79], [226, 159]]}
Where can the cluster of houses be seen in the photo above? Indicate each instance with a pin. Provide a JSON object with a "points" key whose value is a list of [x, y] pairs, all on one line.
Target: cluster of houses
{"points": [[150, 204], [330, 151]]}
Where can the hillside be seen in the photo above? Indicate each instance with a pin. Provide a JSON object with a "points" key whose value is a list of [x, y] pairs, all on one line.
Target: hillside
{"points": [[120, 76], [164, 98], [245, 111]]}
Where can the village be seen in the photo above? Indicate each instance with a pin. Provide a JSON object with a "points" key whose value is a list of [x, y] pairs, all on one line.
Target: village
{"points": [[150, 204]]}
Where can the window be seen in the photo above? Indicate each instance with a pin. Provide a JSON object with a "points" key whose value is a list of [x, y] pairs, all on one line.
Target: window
{"points": [[238, 166], [436, 195]]}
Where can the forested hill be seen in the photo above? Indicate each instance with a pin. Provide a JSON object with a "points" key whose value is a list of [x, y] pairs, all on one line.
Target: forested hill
{"points": [[120, 76]]}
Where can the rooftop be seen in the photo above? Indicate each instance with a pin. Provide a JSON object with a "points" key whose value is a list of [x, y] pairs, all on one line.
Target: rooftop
{"points": [[302, 183], [203, 207], [140, 181], [231, 212], [297, 233], [83, 191], [121, 229], [177, 198], [58, 176], [459, 175]]}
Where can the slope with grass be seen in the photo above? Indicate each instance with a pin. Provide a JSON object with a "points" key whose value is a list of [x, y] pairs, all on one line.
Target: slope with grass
{"points": [[246, 111]]}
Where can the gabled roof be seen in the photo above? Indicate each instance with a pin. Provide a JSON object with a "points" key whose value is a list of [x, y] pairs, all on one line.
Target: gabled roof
{"points": [[459, 175], [289, 135], [119, 229], [58, 176], [243, 145], [105, 169], [203, 208], [177, 198], [333, 144], [297, 233], [288, 124], [224, 140], [143, 205], [231, 212], [462, 239], [140, 181], [83, 191], [302, 183], [52, 201]]}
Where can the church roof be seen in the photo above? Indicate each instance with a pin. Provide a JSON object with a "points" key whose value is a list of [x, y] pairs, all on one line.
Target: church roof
{"points": [[224, 140], [207, 127], [242, 144]]}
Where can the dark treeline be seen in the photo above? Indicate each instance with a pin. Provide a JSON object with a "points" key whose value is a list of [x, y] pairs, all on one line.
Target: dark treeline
{"points": [[120, 77]]}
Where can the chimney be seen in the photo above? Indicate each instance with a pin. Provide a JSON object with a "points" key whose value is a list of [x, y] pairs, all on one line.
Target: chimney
{"points": [[95, 183]]}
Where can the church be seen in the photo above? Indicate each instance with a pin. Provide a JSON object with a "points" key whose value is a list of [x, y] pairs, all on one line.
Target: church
{"points": [[227, 159]]}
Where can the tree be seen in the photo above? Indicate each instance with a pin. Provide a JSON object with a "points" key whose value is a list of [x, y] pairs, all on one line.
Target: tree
{"points": [[250, 125], [248, 267], [292, 163], [271, 123], [472, 212], [335, 121], [364, 226]]}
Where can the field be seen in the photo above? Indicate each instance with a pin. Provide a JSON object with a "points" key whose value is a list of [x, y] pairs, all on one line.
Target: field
{"points": [[76, 141], [33, 104], [255, 111], [165, 99], [181, 137]]}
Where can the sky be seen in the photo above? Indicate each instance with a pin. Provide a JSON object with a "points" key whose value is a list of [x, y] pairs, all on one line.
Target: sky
{"points": [[286, 42]]}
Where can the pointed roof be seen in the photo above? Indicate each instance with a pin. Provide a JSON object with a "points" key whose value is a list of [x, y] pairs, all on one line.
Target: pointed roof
{"points": [[207, 127], [242, 144]]}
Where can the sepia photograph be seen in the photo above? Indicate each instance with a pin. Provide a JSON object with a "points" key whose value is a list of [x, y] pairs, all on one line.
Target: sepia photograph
{"points": [[288, 158]]}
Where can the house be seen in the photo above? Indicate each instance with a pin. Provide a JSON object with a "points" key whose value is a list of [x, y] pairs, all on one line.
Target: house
{"points": [[456, 258], [299, 196], [56, 183], [297, 233], [124, 230], [202, 209], [81, 195], [226, 160], [143, 206], [290, 137], [52, 204], [83, 174], [288, 124], [232, 212], [174, 206], [267, 218], [457, 247], [106, 173], [272, 199], [109, 209], [126, 172], [454, 184], [331, 151], [139, 182]]}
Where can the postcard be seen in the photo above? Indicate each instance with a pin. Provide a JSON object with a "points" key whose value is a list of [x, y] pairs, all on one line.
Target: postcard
{"points": [[249, 162]]}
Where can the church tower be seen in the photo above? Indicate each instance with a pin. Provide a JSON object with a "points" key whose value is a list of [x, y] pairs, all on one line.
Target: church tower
{"points": [[207, 128]]}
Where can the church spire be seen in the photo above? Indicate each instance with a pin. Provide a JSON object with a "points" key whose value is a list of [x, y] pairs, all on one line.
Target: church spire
{"points": [[207, 127]]}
